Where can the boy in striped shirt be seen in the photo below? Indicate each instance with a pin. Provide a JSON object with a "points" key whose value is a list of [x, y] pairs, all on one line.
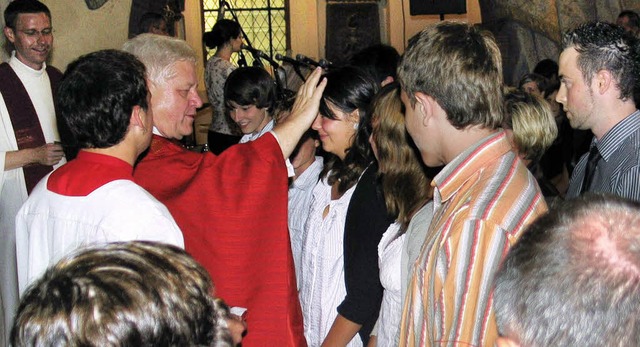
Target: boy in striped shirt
{"points": [[451, 78]]}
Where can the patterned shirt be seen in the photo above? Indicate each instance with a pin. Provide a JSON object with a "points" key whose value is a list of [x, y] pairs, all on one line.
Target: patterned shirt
{"points": [[618, 172], [482, 201], [215, 75]]}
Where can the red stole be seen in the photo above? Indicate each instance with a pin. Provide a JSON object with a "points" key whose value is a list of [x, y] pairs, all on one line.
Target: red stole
{"points": [[232, 210], [26, 125]]}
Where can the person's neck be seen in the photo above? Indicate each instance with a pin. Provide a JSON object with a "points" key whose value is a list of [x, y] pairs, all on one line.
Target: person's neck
{"points": [[121, 152], [460, 140], [224, 52], [267, 120], [264, 123], [26, 64], [303, 167], [612, 115]]}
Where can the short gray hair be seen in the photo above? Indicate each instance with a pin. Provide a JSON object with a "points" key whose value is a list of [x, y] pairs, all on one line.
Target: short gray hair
{"points": [[159, 54], [573, 278]]}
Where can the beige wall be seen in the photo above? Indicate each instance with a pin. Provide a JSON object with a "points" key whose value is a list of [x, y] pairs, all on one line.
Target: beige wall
{"points": [[304, 27], [193, 34], [79, 30], [308, 24]]}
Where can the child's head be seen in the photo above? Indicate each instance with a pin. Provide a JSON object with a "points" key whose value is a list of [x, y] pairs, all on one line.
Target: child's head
{"points": [[250, 97]]}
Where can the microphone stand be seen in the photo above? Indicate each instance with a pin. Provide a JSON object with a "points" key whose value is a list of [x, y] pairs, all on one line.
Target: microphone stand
{"points": [[282, 92], [296, 68], [242, 61], [278, 72]]}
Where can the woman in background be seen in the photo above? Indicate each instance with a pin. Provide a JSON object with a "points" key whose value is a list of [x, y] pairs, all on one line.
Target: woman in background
{"points": [[340, 290], [226, 38], [531, 129], [406, 190]]}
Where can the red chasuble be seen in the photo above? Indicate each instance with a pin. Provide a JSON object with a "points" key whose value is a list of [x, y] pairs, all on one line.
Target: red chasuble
{"points": [[232, 210]]}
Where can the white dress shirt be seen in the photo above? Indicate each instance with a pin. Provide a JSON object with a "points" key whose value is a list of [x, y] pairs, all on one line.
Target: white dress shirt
{"points": [[322, 286]]}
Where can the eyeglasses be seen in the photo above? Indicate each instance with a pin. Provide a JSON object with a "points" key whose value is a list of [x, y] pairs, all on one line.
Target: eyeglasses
{"points": [[34, 33]]}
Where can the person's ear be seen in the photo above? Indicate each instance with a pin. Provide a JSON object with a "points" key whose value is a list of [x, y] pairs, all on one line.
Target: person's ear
{"points": [[139, 118], [386, 81], [603, 80], [354, 116], [10, 34], [502, 341], [424, 107]]}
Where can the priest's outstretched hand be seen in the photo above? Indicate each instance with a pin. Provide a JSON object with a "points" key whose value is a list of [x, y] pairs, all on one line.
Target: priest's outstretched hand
{"points": [[304, 111]]}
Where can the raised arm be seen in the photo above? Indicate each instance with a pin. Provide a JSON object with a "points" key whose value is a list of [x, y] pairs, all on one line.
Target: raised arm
{"points": [[304, 111]]}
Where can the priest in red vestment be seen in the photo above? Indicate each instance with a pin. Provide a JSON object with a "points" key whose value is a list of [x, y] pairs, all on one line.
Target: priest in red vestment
{"points": [[232, 208]]}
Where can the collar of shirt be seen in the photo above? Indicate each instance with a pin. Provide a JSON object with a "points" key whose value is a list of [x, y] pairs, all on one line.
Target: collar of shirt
{"points": [[252, 137], [88, 172], [308, 179], [469, 163], [612, 140], [20, 68], [155, 131]]}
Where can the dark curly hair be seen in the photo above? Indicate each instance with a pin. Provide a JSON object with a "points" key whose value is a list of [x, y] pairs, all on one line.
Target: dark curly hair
{"points": [[97, 95], [606, 46]]}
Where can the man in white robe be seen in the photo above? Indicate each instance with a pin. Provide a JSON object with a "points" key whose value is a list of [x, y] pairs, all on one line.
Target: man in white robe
{"points": [[28, 30]]}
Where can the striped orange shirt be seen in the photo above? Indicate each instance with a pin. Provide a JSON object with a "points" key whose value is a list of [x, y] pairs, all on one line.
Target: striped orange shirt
{"points": [[482, 201]]}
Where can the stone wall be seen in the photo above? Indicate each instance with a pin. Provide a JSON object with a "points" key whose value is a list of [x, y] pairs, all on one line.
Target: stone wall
{"points": [[530, 30]]}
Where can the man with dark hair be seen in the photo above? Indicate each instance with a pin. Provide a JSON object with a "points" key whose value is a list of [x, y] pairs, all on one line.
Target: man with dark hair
{"points": [[573, 278], [103, 101], [630, 21], [599, 72], [451, 78], [380, 61], [123, 294], [28, 129]]}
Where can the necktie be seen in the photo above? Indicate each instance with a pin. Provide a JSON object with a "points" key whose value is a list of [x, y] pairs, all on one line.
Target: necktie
{"points": [[592, 162]]}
